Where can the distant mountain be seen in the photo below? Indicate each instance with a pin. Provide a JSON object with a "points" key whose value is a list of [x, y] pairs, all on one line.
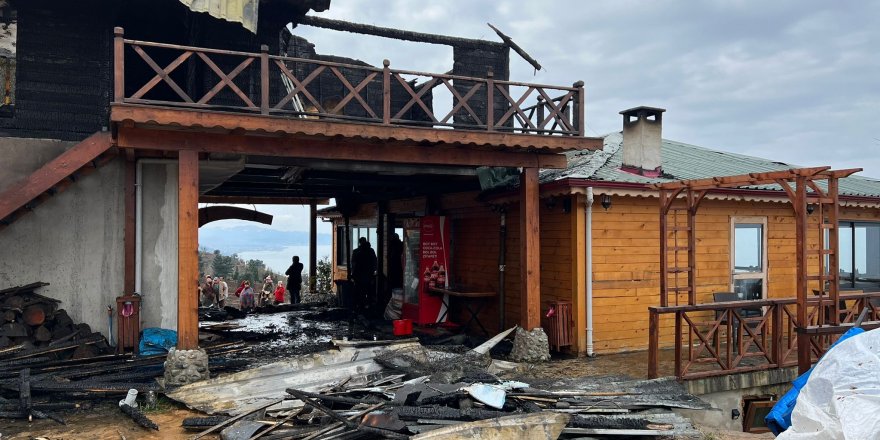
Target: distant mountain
{"points": [[251, 238]]}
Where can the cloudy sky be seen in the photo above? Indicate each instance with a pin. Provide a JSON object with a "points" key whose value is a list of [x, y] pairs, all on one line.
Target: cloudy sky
{"points": [[794, 81]]}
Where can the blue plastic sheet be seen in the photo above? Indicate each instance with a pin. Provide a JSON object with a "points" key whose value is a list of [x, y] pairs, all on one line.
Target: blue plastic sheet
{"points": [[156, 340], [779, 417]]}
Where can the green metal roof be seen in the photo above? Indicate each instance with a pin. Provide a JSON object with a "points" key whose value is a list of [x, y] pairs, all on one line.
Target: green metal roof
{"points": [[683, 162]]}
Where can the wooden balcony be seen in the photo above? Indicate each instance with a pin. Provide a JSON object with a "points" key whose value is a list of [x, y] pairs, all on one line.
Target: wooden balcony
{"points": [[717, 339], [259, 93]]}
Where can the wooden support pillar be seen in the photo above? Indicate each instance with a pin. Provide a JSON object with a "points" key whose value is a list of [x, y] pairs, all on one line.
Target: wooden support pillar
{"points": [[579, 267], [313, 246], [187, 250], [800, 212], [530, 250], [129, 227]]}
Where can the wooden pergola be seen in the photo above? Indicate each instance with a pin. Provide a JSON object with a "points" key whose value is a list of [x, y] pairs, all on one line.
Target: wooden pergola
{"points": [[802, 189]]}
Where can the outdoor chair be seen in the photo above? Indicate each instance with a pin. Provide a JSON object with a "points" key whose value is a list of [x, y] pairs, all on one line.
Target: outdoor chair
{"points": [[751, 316]]}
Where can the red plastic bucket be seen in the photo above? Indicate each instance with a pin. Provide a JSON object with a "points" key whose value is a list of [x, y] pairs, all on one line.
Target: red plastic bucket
{"points": [[402, 327]]}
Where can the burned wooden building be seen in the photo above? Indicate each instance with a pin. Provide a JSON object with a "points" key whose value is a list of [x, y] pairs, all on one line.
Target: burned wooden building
{"points": [[123, 116]]}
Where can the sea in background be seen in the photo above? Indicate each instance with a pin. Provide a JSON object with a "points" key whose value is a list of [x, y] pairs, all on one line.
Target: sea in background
{"points": [[274, 247], [279, 260]]}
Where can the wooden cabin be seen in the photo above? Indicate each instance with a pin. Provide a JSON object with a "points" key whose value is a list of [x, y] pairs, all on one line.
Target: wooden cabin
{"points": [[600, 237]]}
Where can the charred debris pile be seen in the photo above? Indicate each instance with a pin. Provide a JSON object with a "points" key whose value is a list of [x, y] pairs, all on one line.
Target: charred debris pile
{"points": [[50, 364], [402, 389]]}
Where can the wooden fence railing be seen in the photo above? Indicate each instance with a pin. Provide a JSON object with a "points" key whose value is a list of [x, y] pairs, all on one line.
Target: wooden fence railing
{"points": [[277, 85], [715, 339]]}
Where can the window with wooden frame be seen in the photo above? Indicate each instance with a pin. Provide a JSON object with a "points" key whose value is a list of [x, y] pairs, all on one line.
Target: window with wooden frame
{"points": [[756, 408], [859, 255], [748, 257]]}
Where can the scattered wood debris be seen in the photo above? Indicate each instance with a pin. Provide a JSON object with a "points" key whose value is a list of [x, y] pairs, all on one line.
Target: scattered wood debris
{"points": [[400, 389]]}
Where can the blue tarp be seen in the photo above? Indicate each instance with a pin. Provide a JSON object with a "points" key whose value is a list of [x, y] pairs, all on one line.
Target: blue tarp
{"points": [[779, 417], [156, 340]]}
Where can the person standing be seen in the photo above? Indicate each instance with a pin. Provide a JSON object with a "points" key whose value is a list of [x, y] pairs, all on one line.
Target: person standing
{"points": [[294, 279], [266, 292], [207, 291], [224, 293], [247, 298], [279, 293], [363, 273]]}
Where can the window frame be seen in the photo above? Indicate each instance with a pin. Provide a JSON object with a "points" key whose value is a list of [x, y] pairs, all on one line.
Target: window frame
{"points": [[763, 275], [852, 225]]}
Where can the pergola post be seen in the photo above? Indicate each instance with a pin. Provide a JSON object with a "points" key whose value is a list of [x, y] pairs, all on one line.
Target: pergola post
{"points": [[313, 245], [800, 211], [530, 250], [187, 250]]}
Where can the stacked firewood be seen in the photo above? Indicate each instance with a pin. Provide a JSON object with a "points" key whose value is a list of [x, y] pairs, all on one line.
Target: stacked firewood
{"points": [[30, 321]]}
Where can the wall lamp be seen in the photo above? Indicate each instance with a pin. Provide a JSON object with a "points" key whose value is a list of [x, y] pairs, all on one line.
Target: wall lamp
{"points": [[810, 208], [606, 201]]}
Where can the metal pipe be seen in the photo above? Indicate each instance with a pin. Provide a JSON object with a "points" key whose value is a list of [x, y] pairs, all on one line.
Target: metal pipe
{"points": [[588, 208], [502, 258]]}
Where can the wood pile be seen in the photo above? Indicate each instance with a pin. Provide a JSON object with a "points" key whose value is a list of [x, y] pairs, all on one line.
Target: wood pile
{"points": [[33, 323], [49, 364]]}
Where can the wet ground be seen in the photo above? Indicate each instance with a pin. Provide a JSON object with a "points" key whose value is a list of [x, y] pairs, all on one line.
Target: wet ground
{"points": [[275, 336]]}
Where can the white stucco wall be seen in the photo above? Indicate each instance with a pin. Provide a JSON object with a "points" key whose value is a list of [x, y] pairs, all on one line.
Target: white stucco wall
{"points": [[159, 255], [74, 240]]}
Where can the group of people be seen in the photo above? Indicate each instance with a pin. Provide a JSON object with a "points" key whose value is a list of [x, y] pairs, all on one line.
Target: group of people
{"points": [[363, 273], [214, 291]]}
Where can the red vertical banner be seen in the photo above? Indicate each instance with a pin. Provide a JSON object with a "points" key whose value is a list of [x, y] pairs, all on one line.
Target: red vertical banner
{"points": [[433, 268]]}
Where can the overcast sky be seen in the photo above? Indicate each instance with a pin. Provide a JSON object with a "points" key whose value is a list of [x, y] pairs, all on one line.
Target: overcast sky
{"points": [[793, 81]]}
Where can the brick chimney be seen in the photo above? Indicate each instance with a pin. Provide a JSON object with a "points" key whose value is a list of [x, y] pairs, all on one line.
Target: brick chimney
{"points": [[642, 134]]}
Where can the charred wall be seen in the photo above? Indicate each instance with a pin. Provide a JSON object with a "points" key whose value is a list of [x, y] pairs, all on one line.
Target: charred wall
{"points": [[328, 89], [477, 62], [63, 71]]}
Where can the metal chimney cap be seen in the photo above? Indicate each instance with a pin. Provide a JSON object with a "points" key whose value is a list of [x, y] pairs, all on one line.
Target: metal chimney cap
{"points": [[642, 108]]}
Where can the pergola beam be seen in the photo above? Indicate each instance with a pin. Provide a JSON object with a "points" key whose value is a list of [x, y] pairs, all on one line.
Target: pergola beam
{"points": [[750, 179]]}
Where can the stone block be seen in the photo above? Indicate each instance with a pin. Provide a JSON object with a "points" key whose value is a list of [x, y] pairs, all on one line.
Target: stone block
{"points": [[186, 366], [530, 346]]}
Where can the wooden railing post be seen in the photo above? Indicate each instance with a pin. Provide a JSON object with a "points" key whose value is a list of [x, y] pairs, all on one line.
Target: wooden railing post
{"points": [[578, 122], [490, 104], [776, 333], [118, 65], [386, 92], [678, 338], [264, 79], [653, 343], [539, 109]]}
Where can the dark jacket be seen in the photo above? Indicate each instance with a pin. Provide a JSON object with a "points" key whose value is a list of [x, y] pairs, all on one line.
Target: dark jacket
{"points": [[363, 262], [294, 273]]}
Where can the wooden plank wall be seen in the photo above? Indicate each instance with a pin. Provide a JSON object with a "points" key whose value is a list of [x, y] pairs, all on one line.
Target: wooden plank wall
{"points": [[626, 262], [475, 247], [626, 258]]}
